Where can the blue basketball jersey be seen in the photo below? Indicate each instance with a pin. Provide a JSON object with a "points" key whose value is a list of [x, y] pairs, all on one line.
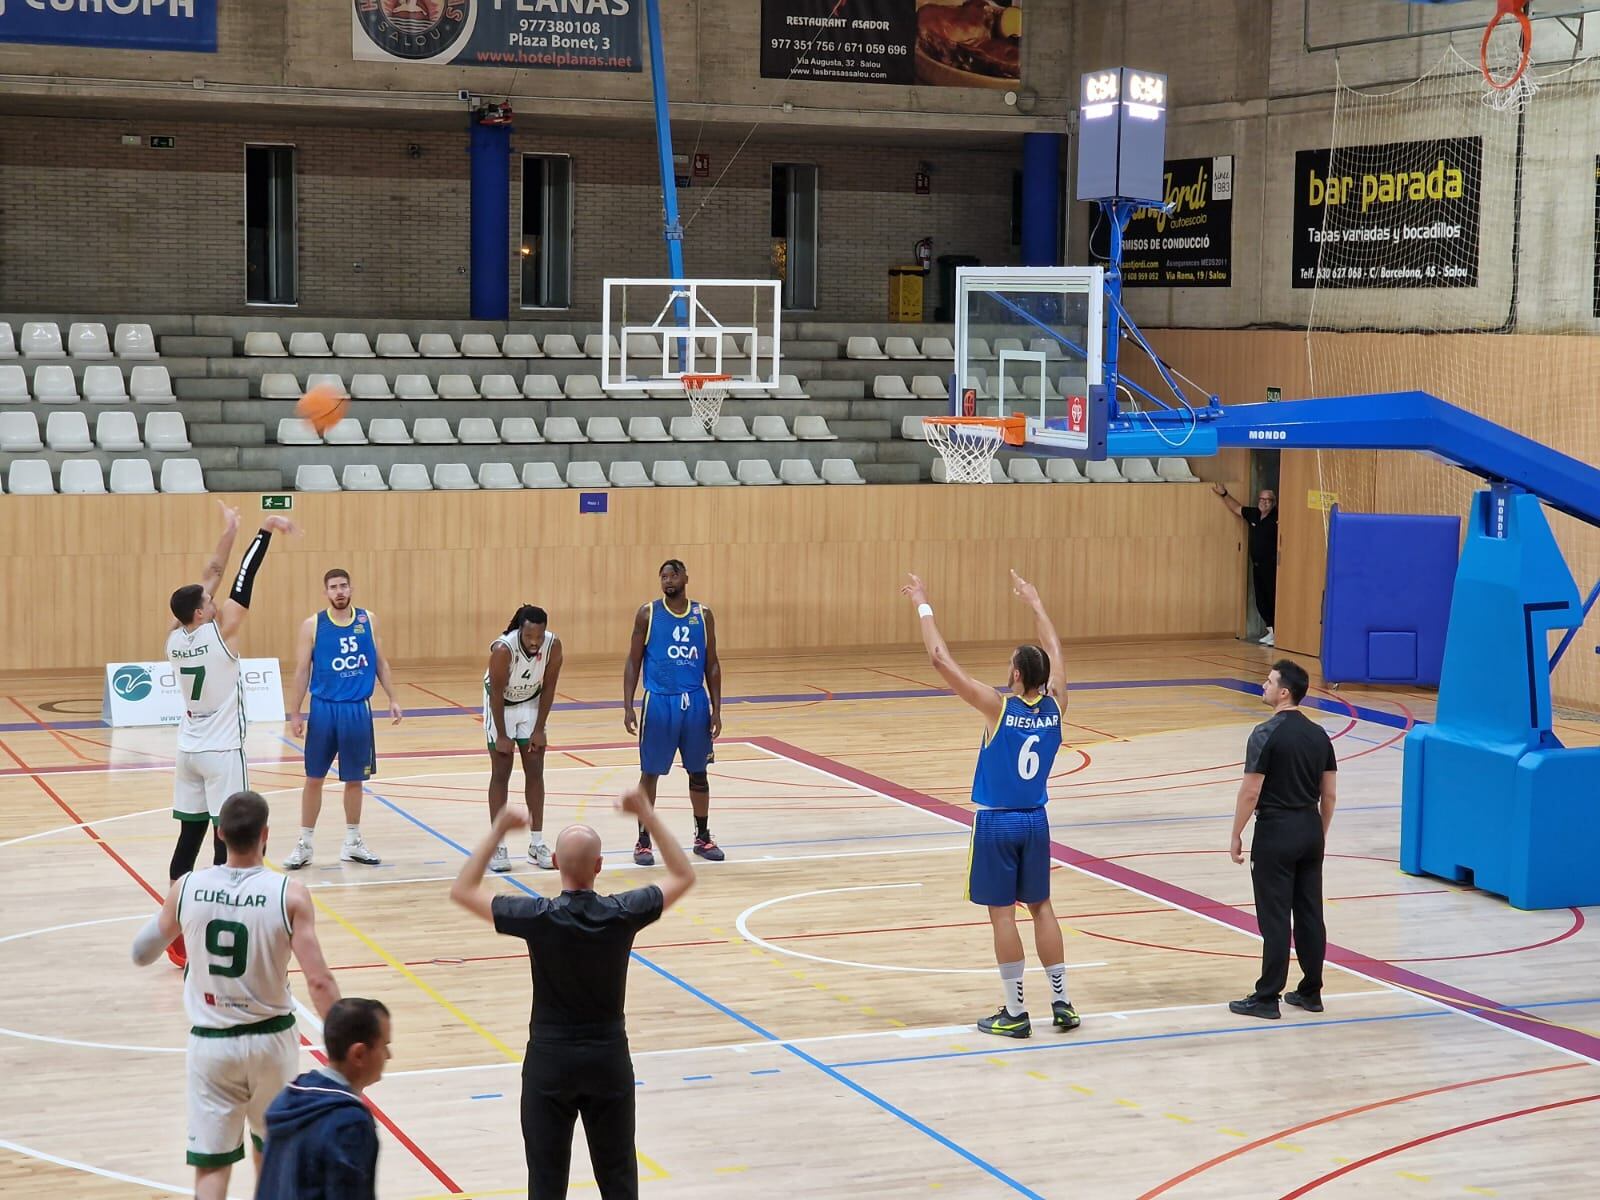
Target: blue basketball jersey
{"points": [[674, 650], [344, 661], [1014, 763]]}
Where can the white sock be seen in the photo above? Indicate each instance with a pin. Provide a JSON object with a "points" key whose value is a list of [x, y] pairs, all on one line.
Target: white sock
{"points": [[306, 834], [1058, 983], [535, 837], [1011, 979], [352, 833]]}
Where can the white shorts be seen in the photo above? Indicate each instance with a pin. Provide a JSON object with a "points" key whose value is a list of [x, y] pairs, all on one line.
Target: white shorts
{"points": [[203, 779], [520, 719], [232, 1080]]}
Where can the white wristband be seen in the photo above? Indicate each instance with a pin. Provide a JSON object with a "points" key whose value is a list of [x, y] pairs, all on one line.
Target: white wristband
{"points": [[924, 610]]}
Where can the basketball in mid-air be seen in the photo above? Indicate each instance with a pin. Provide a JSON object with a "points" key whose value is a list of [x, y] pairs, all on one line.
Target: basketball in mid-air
{"points": [[322, 407]]}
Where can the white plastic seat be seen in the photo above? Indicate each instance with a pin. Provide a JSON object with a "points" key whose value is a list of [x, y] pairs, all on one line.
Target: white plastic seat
{"points": [[731, 428], [813, 429], [713, 472], [352, 345], [541, 387], [901, 347], [263, 343], [667, 392], [103, 384], [911, 427], [479, 345], [671, 472], [583, 387], [454, 477], [8, 341], [432, 431], [1049, 347], [134, 340], [938, 347], [132, 477], [798, 471], [626, 473], [477, 431], [647, 429], [315, 477], [997, 473], [309, 344], [388, 431], [19, 433], [562, 345], [457, 387], [840, 470], [688, 429], [595, 345], [498, 476], [369, 386], [863, 347], [1031, 388], [151, 385], [1139, 470], [279, 385], [42, 339], [541, 475], [929, 387], [54, 385], [362, 477], [604, 429], [1063, 470], [395, 345], [409, 477], [88, 339], [520, 345], [1176, 470], [770, 429], [1007, 345], [1026, 470], [563, 429], [499, 387], [297, 431], [414, 387], [182, 477], [163, 431], [789, 388], [437, 345], [978, 350], [13, 384], [82, 477], [586, 475], [520, 431], [346, 432], [330, 379], [891, 387], [756, 472], [1103, 472], [118, 431], [643, 346], [30, 477]]}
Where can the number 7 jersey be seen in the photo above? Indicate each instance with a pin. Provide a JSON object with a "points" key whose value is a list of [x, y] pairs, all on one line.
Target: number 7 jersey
{"points": [[209, 685], [1017, 754], [235, 923]]}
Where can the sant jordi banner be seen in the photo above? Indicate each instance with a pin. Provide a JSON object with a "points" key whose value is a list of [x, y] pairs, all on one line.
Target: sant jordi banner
{"points": [[575, 35], [1191, 244], [929, 43]]}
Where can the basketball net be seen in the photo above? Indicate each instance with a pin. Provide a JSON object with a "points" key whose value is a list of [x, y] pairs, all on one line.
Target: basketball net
{"points": [[706, 394], [968, 445], [1508, 83]]}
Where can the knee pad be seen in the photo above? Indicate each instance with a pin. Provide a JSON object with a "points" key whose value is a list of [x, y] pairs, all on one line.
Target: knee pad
{"points": [[698, 782]]}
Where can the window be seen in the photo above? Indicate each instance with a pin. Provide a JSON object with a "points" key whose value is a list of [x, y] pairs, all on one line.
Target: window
{"points": [[546, 245], [270, 236]]}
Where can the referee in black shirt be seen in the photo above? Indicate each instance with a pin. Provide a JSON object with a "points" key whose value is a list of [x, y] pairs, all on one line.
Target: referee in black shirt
{"points": [[1290, 778], [577, 1062]]}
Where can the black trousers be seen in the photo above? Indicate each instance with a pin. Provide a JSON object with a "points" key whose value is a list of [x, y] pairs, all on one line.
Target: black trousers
{"points": [[561, 1082], [1286, 873], [1264, 578]]}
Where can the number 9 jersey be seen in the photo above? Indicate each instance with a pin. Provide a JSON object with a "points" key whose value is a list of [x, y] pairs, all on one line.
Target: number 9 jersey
{"points": [[235, 922], [1014, 763]]}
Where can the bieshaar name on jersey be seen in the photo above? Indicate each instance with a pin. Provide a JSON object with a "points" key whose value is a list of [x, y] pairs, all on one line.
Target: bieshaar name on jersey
{"points": [[1014, 764]]}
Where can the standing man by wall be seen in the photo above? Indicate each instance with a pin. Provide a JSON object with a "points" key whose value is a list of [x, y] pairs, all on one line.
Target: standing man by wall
{"points": [[1263, 521]]}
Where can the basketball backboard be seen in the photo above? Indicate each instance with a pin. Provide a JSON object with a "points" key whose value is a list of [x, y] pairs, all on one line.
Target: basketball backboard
{"points": [[659, 330]]}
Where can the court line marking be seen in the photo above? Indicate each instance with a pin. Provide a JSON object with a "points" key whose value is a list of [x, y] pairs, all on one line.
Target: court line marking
{"points": [[82, 825], [103, 1172]]}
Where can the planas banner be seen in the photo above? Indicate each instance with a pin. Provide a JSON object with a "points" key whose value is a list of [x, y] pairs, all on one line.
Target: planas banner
{"points": [[573, 35]]}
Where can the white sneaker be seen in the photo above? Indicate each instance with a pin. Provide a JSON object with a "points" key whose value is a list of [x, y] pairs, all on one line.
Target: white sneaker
{"points": [[501, 862], [299, 857], [355, 850], [1266, 638], [541, 856]]}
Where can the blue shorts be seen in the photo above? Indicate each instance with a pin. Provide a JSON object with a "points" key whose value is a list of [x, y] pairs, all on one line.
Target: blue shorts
{"points": [[675, 725], [342, 728], [1010, 857]]}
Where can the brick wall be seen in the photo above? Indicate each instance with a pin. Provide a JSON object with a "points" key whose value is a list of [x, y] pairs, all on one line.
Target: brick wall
{"points": [[87, 224]]}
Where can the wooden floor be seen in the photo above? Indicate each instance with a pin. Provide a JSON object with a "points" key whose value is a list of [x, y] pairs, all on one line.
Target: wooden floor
{"points": [[802, 1024]]}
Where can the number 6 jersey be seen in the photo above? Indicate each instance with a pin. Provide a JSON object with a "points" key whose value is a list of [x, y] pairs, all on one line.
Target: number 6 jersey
{"points": [[208, 682], [235, 922], [1014, 764]]}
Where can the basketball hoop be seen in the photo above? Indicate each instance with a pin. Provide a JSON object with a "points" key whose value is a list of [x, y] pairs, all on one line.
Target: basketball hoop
{"points": [[706, 394], [1509, 86], [968, 444]]}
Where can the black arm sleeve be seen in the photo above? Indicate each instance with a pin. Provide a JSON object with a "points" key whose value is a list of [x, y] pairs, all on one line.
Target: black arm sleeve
{"points": [[245, 581]]}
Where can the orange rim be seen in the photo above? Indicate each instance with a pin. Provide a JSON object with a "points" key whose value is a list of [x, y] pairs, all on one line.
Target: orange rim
{"points": [[1013, 429], [693, 383], [1518, 11]]}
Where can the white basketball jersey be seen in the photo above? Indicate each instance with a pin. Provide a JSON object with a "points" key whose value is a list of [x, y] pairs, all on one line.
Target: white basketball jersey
{"points": [[235, 924], [208, 681], [527, 674]]}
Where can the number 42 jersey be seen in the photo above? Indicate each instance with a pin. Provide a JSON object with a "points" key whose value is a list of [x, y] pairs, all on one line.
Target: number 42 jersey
{"points": [[1014, 763]]}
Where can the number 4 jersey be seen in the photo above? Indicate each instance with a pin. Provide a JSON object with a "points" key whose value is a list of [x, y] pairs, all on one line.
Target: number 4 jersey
{"points": [[213, 697], [1014, 763], [235, 922]]}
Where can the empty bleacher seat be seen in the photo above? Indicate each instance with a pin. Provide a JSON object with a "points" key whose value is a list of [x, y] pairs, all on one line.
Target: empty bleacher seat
{"points": [[396, 345], [671, 472], [563, 429], [562, 345], [163, 431], [689, 429], [82, 477], [432, 431], [388, 431], [362, 477], [770, 429], [309, 344], [929, 387], [1006, 345], [647, 429], [731, 428], [328, 379], [30, 477], [521, 345], [1176, 470], [279, 385], [345, 432], [42, 339], [840, 470], [938, 347], [182, 477], [454, 477], [54, 385], [8, 341], [604, 429], [911, 427], [477, 431], [586, 475], [627, 473], [13, 384], [1139, 470], [1026, 470], [863, 347], [499, 387], [263, 343], [132, 477], [901, 347], [498, 476], [978, 350], [1103, 472], [409, 477], [891, 387], [789, 388], [119, 432], [88, 339], [102, 384], [414, 387], [368, 386], [797, 471], [596, 345], [149, 384], [813, 429], [1063, 470], [541, 387], [19, 433], [756, 472], [479, 345], [541, 475], [134, 340], [437, 345], [1049, 347], [519, 431], [1031, 385], [297, 431], [713, 472], [583, 387], [457, 387], [315, 477], [644, 346], [352, 345]]}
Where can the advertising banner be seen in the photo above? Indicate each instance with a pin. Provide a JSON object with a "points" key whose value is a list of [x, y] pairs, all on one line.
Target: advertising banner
{"points": [[1189, 246], [147, 693], [118, 24], [573, 35], [927, 43]]}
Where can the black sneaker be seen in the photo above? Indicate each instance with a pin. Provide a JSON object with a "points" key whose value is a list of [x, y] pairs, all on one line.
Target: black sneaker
{"points": [[1063, 1015], [642, 854], [1254, 1006], [708, 849], [1310, 1003], [1003, 1024]]}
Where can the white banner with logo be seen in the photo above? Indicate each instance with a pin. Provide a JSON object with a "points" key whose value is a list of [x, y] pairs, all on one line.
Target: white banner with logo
{"points": [[147, 693]]}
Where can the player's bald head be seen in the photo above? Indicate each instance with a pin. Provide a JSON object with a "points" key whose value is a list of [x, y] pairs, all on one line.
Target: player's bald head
{"points": [[578, 854]]}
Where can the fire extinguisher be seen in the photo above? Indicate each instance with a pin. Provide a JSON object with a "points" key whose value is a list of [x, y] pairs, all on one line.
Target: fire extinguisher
{"points": [[925, 253]]}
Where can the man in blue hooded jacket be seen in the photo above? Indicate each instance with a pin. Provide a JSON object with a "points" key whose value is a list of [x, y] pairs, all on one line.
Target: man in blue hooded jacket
{"points": [[322, 1143]]}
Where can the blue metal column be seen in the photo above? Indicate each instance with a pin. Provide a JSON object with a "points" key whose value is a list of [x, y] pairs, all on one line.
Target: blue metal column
{"points": [[491, 222], [671, 230], [1041, 199]]}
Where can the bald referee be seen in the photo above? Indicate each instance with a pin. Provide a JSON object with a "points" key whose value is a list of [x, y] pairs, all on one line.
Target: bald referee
{"points": [[577, 1062]]}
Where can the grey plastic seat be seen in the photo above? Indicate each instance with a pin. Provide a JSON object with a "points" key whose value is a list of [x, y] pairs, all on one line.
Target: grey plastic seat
{"points": [[453, 477], [586, 475], [88, 339], [362, 477], [713, 472], [68, 431], [352, 345], [30, 477], [756, 472], [499, 387], [479, 345], [498, 476], [797, 471], [626, 473], [541, 475], [477, 431], [689, 429], [541, 387], [409, 477], [370, 386], [840, 470], [315, 477], [671, 472], [132, 477], [182, 477], [309, 345], [647, 429], [388, 431], [813, 429], [604, 429], [118, 432], [133, 340], [395, 345], [521, 431], [770, 429], [82, 477]]}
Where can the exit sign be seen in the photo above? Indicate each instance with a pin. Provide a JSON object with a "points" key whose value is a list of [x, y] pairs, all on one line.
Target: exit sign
{"points": [[162, 141], [278, 503]]}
